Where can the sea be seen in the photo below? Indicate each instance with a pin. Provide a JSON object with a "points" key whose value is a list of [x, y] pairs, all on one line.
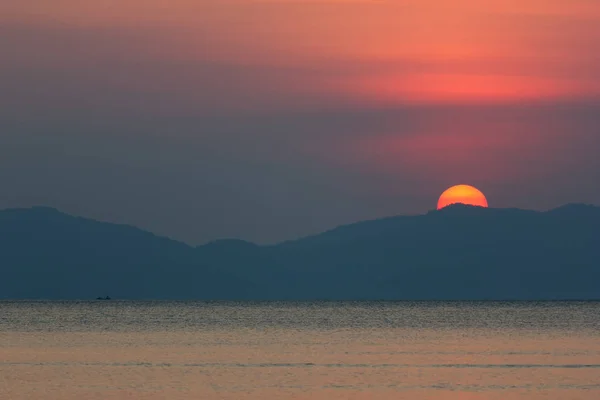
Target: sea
{"points": [[299, 350]]}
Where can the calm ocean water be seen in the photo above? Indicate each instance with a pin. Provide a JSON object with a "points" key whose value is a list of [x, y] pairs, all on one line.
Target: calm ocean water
{"points": [[329, 350]]}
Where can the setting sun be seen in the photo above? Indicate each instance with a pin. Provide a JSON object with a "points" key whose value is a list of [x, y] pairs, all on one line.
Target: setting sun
{"points": [[463, 194]]}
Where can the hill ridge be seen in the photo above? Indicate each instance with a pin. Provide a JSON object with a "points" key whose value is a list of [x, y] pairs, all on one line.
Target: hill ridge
{"points": [[455, 253]]}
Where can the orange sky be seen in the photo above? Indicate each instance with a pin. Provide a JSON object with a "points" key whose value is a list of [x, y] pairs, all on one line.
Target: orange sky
{"points": [[425, 51]]}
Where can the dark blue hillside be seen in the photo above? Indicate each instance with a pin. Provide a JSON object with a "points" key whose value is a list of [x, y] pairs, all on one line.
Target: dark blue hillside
{"points": [[460, 252]]}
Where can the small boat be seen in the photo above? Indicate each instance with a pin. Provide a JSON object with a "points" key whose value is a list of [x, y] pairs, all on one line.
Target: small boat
{"points": [[103, 298]]}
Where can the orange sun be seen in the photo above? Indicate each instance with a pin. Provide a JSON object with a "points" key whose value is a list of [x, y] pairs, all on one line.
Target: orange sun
{"points": [[463, 194]]}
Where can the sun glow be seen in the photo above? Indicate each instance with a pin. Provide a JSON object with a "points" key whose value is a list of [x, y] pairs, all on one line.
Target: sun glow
{"points": [[462, 194]]}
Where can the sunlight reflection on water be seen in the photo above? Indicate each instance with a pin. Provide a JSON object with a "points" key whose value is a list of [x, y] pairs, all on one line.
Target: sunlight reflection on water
{"points": [[329, 350]]}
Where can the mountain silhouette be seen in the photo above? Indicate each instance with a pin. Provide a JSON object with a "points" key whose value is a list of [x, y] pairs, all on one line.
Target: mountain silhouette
{"points": [[457, 253], [48, 254]]}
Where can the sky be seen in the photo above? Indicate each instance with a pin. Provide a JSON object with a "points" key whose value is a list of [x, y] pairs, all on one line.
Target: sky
{"points": [[268, 120]]}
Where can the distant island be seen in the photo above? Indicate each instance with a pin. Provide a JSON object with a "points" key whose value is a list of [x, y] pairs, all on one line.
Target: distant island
{"points": [[458, 253]]}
